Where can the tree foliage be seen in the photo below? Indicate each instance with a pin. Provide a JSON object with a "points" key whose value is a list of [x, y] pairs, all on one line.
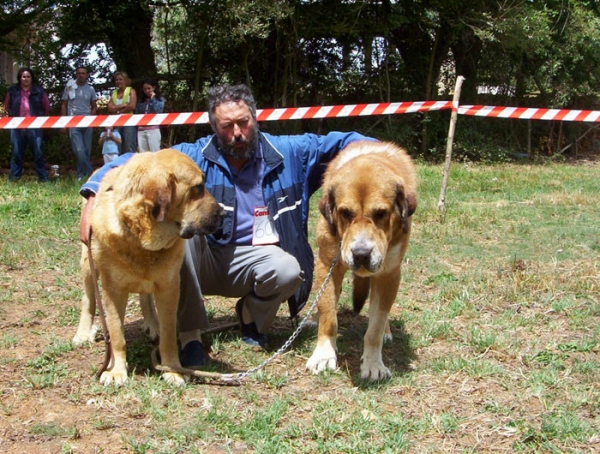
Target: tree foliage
{"points": [[311, 52]]}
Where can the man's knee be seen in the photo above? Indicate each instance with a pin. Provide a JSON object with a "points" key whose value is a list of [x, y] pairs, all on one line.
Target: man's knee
{"points": [[282, 280], [289, 271]]}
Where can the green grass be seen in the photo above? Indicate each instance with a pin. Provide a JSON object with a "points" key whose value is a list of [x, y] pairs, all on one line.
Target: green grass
{"points": [[496, 337]]}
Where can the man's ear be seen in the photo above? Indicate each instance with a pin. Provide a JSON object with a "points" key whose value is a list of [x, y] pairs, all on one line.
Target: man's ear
{"points": [[327, 209]]}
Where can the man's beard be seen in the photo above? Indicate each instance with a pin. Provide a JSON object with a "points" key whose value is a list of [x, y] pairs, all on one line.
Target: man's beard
{"points": [[229, 150]]}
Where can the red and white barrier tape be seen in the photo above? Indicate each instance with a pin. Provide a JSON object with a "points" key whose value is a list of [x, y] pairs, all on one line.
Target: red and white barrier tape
{"points": [[351, 110], [190, 118], [299, 113], [525, 113]]}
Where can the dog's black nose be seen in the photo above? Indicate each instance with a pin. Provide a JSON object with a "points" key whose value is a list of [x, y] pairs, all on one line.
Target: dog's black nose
{"points": [[361, 254]]}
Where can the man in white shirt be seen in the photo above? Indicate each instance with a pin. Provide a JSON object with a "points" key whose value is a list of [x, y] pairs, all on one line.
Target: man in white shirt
{"points": [[79, 98]]}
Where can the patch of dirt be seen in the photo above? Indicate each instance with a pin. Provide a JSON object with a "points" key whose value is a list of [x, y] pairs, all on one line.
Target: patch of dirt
{"points": [[76, 414]]}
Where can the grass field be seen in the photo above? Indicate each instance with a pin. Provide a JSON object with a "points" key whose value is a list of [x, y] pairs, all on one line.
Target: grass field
{"points": [[496, 337]]}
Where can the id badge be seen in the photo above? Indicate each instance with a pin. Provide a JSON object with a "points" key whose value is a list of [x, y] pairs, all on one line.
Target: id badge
{"points": [[263, 231]]}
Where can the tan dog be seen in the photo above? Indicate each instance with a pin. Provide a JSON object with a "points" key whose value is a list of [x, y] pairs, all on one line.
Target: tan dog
{"points": [[369, 195], [142, 213]]}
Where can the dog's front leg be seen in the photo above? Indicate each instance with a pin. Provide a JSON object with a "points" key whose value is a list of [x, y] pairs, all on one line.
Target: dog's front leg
{"points": [[325, 354], [115, 303], [166, 306], [383, 294]]}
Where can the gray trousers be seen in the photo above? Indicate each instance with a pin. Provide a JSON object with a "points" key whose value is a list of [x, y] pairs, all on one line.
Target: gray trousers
{"points": [[263, 276]]}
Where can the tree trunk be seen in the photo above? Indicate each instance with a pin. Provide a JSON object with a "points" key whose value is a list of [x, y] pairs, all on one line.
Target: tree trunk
{"points": [[130, 38], [467, 51]]}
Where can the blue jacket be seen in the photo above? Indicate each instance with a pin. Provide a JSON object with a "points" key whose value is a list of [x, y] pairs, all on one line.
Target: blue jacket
{"points": [[294, 167], [153, 105], [35, 101]]}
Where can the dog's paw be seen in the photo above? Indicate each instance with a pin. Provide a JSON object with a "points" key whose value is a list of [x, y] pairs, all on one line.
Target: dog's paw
{"points": [[324, 357], [150, 329], [373, 369], [311, 324], [113, 377], [175, 379], [85, 336], [388, 338]]}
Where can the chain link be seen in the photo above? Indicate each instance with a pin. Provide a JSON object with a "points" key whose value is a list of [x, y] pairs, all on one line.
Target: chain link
{"points": [[242, 375]]}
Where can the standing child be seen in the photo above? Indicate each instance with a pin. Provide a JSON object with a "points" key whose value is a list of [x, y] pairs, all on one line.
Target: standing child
{"points": [[110, 141]]}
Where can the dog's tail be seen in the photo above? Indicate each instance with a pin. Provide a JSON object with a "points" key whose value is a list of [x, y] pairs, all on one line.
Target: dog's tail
{"points": [[360, 292]]}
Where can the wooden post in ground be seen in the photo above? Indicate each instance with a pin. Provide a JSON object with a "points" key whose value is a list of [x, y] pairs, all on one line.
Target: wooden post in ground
{"points": [[450, 141]]}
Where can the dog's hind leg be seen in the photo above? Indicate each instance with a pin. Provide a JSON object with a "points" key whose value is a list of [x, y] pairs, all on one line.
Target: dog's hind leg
{"points": [[360, 292], [86, 332], [387, 335], [150, 324]]}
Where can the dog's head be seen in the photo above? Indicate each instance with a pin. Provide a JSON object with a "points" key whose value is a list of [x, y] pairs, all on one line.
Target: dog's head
{"points": [[367, 203], [161, 196]]}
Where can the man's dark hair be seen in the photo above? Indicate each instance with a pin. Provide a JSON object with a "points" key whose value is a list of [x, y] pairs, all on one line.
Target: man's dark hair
{"points": [[221, 94]]}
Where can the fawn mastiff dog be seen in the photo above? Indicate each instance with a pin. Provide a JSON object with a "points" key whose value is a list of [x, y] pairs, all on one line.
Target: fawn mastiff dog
{"points": [[369, 196], [142, 213]]}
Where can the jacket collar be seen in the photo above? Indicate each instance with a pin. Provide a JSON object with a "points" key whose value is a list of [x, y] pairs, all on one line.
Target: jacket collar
{"points": [[271, 155]]}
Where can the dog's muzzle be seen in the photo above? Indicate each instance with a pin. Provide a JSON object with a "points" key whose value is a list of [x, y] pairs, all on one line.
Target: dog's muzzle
{"points": [[206, 226], [363, 257]]}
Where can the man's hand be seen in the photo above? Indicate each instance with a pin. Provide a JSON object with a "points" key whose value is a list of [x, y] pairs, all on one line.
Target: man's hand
{"points": [[84, 224]]}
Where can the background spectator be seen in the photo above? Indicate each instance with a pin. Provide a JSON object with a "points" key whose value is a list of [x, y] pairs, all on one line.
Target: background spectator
{"points": [[79, 98], [151, 102], [123, 100], [27, 99], [110, 141]]}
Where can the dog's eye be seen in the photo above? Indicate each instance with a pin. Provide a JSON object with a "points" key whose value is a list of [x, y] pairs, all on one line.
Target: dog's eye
{"points": [[200, 188], [346, 214], [380, 215]]}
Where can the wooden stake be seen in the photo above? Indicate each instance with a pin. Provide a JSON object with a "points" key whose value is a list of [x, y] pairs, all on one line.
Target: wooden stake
{"points": [[450, 142]]}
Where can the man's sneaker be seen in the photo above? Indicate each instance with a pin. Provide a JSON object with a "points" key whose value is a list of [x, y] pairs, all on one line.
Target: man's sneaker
{"points": [[192, 355], [250, 334]]}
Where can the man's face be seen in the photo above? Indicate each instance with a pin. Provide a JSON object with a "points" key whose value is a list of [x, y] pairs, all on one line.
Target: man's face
{"points": [[236, 129], [81, 75]]}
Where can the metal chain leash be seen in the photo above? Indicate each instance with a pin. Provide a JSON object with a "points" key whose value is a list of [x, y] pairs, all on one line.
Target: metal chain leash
{"points": [[242, 375]]}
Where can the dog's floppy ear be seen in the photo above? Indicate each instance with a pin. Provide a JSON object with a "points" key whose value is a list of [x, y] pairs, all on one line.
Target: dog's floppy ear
{"points": [[407, 204], [133, 212], [158, 195], [327, 209]]}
